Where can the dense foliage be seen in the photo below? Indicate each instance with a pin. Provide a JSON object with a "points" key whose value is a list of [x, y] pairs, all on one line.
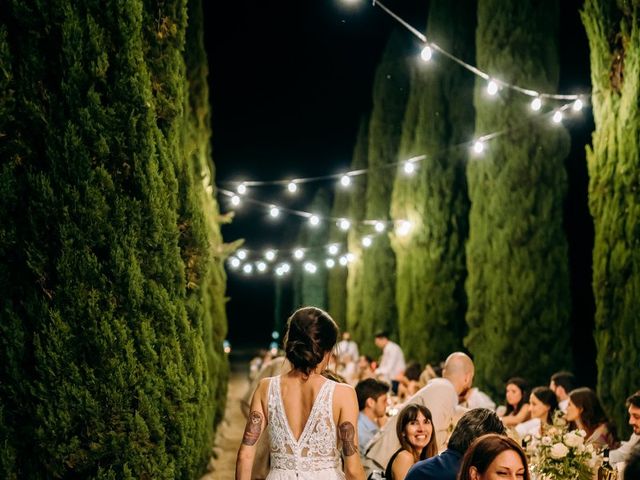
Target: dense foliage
{"points": [[112, 306]]}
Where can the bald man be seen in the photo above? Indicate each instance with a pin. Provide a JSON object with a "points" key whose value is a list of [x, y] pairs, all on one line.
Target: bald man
{"points": [[440, 396]]}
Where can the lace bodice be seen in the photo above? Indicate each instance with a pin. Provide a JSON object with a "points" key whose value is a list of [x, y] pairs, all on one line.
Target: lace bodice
{"points": [[316, 449]]}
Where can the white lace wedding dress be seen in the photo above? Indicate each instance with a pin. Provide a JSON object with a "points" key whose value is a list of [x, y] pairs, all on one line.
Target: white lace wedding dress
{"points": [[314, 455]]}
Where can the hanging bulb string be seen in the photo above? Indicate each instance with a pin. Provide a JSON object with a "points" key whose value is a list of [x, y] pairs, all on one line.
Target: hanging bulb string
{"points": [[473, 69]]}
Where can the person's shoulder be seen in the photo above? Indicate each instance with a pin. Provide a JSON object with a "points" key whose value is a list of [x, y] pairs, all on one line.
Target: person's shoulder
{"points": [[343, 389]]}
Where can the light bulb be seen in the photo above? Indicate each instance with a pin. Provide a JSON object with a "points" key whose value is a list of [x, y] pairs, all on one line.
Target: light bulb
{"points": [[298, 254], [292, 187], [536, 104], [270, 255], [285, 267], [310, 267], [344, 224], [557, 117], [403, 228], [314, 220], [279, 272], [350, 257], [234, 262], [333, 249], [330, 262], [242, 189], [478, 146], [366, 242], [343, 260], [577, 105], [274, 211], [379, 227], [426, 53], [241, 254], [345, 180], [409, 167], [235, 200], [247, 269], [261, 266], [492, 87]]}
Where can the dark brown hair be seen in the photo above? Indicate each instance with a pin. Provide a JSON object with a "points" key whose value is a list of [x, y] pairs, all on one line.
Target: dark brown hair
{"points": [[592, 415], [522, 385], [408, 414], [484, 450], [311, 333], [546, 396]]}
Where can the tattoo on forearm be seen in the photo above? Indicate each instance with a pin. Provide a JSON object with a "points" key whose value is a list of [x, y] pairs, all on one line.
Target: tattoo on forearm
{"points": [[253, 429], [346, 432]]}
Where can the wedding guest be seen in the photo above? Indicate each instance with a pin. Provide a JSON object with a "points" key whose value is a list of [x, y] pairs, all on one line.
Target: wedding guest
{"points": [[372, 402], [632, 467], [475, 398], [633, 407], [417, 441], [585, 412], [346, 346], [543, 405], [473, 424], [517, 396], [392, 362], [440, 396], [494, 457], [409, 381], [562, 383]]}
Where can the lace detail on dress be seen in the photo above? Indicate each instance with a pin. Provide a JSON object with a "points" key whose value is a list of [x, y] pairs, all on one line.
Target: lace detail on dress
{"points": [[316, 449]]}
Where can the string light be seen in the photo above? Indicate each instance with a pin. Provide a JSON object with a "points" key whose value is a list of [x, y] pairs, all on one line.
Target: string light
{"points": [[274, 211], [235, 200], [292, 187], [426, 53], [234, 262], [344, 224], [345, 180], [577, 105], [314, 220], [242, 189], [366, 242], [492, 88], [409, 167], [333, 249], [261, 266], [379, 227], [330, 262], [478, 146], [403, 228], [310, 267], [557, 117], [270, 255], [350, 257], [536, 104], [298, 254], [241, 254], [343, 260], [247, 268]]}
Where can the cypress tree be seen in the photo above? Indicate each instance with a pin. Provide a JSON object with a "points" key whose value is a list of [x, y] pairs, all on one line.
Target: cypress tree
{"points": [[430, 260], [105, 269], [337, 276], [517, 284], [355, 324], [613, 31], [390, 91]]}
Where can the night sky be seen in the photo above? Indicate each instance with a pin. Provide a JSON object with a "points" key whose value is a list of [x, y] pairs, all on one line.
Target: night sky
{"points": [[289, 82]]}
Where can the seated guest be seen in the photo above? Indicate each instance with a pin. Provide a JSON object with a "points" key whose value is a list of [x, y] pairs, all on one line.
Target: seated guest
{"points": [[493, 457], [585, 412], [364, 369], [517, 397], [562, 383], [409, 381], [417, 440], [543, 405], [473, 424], [633, 407], [475, 398], [372, 402], [632, 467]]}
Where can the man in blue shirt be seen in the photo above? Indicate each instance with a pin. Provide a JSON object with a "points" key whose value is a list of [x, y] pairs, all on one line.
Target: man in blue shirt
{"points": [[372, 402], [473, 424]]}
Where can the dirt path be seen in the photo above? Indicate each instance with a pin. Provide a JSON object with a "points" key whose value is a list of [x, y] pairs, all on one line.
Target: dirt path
{"points": [[230, 431]]}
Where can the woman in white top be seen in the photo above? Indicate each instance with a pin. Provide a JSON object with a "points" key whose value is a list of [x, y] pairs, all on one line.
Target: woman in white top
{"points": [[543, 405], [308, 416]]}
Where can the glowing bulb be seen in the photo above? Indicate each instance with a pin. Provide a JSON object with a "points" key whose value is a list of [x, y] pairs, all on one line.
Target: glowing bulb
{"points": [[247, 269], [577, 105], [270, 255], [234, 262], [242, 189], [310, 267], [285, 267], [557, 117], [298, 254], [478, 146], [261, 266], [350, 257], [366, 242], [333, 249], [379, 227], [345, 180], [426, 53], [536, 104], [241, 254], [343, 260], [404, 227], [314, 220], [279, 272], [292, 187], [330, 262], [274, 211], [344, 224], [492, 87], [409, 167], [235, 200]]}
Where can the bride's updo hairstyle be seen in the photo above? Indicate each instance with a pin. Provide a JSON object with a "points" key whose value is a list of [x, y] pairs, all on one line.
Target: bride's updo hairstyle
{"points": [[311, 333]]}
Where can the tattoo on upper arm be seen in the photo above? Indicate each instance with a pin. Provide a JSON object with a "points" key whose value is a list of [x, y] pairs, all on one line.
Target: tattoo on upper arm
{"points": [[346, 432], [253, 429]]}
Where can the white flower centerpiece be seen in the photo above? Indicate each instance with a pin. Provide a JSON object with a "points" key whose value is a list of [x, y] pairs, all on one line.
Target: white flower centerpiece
{"points": [[560, 454]]}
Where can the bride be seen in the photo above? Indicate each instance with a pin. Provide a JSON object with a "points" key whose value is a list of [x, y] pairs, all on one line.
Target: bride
{"points": [[311, 420]]}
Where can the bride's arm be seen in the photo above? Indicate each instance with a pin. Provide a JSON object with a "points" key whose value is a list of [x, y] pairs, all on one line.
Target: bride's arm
{"points": [[256, 422], [348, 432]]}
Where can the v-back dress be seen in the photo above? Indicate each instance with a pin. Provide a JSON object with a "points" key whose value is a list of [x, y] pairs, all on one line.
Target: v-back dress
{"points": [[315, 454]]}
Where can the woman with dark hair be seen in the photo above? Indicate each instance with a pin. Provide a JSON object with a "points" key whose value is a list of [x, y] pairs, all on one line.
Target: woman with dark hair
{"points": [[494, 457], [517, 395], [543, 405], [308, 416], [585, 412], [414, 429]]}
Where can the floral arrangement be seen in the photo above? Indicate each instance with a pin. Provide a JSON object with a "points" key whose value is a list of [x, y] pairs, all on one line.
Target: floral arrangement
{"points": [[560, 454]]}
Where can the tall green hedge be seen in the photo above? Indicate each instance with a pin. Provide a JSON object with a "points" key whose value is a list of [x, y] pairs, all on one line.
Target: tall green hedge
{"points": [[613, 30], [431, 266], [108, 338], [390, 92], [517, 286]]}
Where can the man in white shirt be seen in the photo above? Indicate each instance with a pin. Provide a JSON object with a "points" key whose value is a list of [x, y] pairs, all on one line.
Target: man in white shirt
{"points": [[392, 362], [621, 454], [345, 347], [440, 396], [561, 384]]}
